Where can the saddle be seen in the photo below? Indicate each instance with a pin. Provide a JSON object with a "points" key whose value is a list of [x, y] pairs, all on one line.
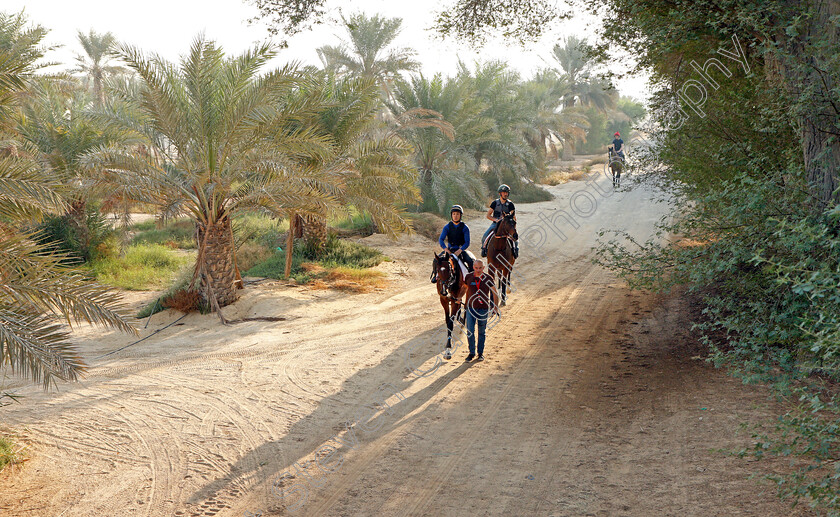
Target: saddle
{"points": [[470, 259]]}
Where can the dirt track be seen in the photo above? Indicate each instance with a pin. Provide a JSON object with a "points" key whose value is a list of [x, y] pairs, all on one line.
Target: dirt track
{"points": [[589, 403]]}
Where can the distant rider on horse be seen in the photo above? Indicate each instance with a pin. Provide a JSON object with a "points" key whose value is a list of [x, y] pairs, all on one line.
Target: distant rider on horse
{"points": [[618, 143], [458, 235], [498, 209]]}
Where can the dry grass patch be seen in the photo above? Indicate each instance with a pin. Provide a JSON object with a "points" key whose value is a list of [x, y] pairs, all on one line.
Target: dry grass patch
{"points": [[579, 175], [312, 268], [557, 178], [427, 224], [249, 254], [596, 161], [565, 176], [345, 278]]}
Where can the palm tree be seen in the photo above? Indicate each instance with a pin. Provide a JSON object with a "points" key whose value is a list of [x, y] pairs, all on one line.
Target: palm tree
{"points": [[585, 89], [368, 53], [220, 138], [95, 63], [54, 121], [441, 119], [549, 119], [368, 168], [37, 293], [504, 147]]}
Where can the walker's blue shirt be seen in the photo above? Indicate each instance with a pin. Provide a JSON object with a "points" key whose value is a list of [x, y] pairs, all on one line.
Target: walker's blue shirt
{"points": [[458, 235]]}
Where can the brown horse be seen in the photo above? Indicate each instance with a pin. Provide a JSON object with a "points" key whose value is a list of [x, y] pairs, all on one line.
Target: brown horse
{"points": [[451, 289], [616, 165], [500, 257]]}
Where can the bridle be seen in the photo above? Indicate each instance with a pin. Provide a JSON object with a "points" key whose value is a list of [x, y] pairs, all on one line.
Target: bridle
{"points": [[446, 287], [511, 222]]}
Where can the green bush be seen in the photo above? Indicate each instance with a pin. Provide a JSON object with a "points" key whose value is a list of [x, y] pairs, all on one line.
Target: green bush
{"points": [[144, 266], [179, 233], [521, 191], [149, 224], [460, 188], [355, 221], [766, 266], [260, 229], [60, 235]]}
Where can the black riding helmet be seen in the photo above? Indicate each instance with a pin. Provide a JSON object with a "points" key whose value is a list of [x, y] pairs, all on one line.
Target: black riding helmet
{"points": [[504, 188]]}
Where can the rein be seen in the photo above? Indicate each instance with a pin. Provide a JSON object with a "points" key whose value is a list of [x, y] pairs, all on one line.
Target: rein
{"points": [[454, 277], [496, 232]]}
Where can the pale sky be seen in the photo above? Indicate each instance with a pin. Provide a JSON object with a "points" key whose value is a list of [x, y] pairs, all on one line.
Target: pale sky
{"points": [[167, 27]]}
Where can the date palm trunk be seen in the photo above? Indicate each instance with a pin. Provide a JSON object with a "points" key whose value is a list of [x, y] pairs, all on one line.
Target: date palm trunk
{"points": [[76, 217], [216, 266], [568, 150], [294, 227], [314, 230]]}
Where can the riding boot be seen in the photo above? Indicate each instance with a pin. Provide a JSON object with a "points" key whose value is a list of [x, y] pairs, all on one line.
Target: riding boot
{"points": [[515, 249], [484, 251]]}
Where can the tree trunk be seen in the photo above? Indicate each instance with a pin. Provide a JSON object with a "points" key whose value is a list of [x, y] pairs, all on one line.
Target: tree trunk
{"points": [[803, 71], [216, 266], [290, 243], [314, 230], [822, 162], [76, 217], [820, 139], [568, 150]]}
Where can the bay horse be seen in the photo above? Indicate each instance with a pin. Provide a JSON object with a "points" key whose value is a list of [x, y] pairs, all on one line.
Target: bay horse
{"points": [[500, 257], [451, 289], [616, 165]]}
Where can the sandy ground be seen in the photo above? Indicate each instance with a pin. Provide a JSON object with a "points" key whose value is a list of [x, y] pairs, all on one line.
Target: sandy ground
{"points": [[591, 400]]}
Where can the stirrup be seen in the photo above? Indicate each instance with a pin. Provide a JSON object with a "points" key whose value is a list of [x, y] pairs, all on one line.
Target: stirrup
{"points": [[483, 252]]}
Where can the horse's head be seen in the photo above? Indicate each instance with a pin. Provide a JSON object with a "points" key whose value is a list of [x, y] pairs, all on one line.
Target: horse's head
{"points": [[506, 226], [446, 276]]}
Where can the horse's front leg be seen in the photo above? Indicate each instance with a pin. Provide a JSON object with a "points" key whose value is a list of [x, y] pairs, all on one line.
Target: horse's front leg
{"points": [[459, 312], [504, 281]]}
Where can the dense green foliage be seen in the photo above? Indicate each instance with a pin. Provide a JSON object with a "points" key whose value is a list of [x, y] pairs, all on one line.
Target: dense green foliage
{"points": [[41, 297], [755, 221], [60, 234], [472, 20]]}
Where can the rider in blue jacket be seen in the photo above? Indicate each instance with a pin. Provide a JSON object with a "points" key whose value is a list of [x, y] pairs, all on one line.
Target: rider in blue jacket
{"points": [[457, 233]]}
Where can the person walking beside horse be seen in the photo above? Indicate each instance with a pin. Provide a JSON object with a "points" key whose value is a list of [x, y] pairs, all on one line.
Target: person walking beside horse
{"points": [[482, 301]]}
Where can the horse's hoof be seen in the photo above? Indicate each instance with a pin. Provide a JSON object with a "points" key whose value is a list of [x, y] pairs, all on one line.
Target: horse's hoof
{"points": [[447, 354], [503, 303]]}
